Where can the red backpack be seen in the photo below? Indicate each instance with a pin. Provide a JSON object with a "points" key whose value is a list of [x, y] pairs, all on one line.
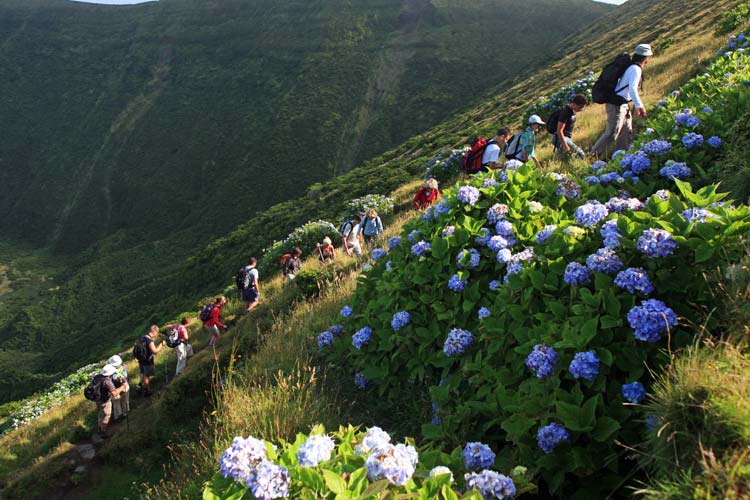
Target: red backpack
{"points": [[473, 159]]}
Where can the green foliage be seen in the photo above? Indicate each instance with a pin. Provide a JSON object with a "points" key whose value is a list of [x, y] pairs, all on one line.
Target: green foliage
{"points": [[312, 282], [306, 237], [446, 166], [734, 18], [345, 475], [383, 205], [546, 105]]}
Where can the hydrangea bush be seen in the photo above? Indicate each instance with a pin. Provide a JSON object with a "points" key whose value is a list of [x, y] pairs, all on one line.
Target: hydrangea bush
{"points": [[546, 105], [446, 166], [382, 204], [354, 464], [305, 237]]}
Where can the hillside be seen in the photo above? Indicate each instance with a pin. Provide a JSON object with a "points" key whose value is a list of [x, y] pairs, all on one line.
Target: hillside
{"points": [[206, 113]]}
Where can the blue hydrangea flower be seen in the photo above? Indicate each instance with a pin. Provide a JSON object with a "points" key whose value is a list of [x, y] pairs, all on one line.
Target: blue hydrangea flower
{"points": [[585, 365], [569, 189], [576, 274], [633, 392], [699, 215], [708, 110], [315, 450], [543, 235], [325, 339], [336, 329], [498, 243], [271, 481], [414, 235], [489, 182], [346, 311], [378, 253], [436, 420], [692, 140], [627, 161], [419, 249], [448, 231], [609, 177], [361, 337], [468, 195], [483, 313], [681, 118], [692, 121], [619, 152], [714, 141], [374, 437], [640, 163], [468, 259], [605, 260], [458, 342], [650, 131], [456, 284], [651, 319], [619, 204], [598, 165], [496, 212], [394, 463], [657, 147], [393, 242], [400, 320], [662, 194], [494, 284], [656, 243], [634, 279], [542, 360], [485, 238], [442, 207], [591, 213], [360, 380], [477, 456], [592, 179], [490, 484], [505, 228], [674, 170], [549, 436], [240, 460]]}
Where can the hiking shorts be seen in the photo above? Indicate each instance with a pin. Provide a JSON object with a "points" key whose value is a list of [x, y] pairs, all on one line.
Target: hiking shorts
{"points": [[250, 295], [105, 414], [147, 370]]}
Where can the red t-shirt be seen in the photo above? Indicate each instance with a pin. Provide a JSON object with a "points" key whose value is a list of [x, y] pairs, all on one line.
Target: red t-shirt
{"points": [[214, 319]]}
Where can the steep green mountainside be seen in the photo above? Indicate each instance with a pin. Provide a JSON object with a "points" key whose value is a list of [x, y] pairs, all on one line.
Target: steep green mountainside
{"points": [[133, 136]]}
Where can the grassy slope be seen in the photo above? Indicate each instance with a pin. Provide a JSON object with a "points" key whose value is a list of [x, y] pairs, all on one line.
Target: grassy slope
{"points": [[205, 113], [289, 341]]}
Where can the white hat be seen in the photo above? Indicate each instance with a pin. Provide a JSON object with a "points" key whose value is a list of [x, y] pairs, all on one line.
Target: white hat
{"points": [[115, 361], [327, 240], [644, 49], [108, 370], [536, 119]]}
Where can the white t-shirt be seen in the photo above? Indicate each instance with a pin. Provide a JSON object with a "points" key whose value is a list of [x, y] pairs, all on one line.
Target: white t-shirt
{"points": [[253, 275], [631, 80], [491, 154], [353, 231]]}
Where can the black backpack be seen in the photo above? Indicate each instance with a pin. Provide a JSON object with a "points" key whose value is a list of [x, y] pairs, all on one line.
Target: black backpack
{"points": [[95, 390], [141, 352], [173, 337], [605, 89], [205, 313], [242, 281], [552, 121]]}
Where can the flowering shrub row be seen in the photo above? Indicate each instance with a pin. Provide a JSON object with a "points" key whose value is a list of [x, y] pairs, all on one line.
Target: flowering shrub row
{"points": [[545, 106], [382, 204], [445, 166], [37, 405], [364, 465], [536, 303]]}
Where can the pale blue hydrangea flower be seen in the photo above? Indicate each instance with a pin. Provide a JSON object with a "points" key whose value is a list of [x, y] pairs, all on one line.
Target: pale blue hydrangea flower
{"points": [[477, 456], [549, 436], [458, 342], [315, 450], [400, 320], [394, 463]]}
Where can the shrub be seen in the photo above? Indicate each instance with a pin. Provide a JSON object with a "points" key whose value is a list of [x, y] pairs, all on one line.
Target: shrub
{"points": [[382, 204], [311, 282], [734, 18], [305, 237], [445, 166]]}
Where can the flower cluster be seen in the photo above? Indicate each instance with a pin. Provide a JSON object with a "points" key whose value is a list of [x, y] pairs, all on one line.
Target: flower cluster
{"points": [[675, 170], [714, 141], [378, 253], [585, 365], [361, 337], [634, 279], [542, 360], [382, 204], [458, 342], [325, 339], [543, 235], [396, 463], [393, 242], [484, 239], [419, 249], [241, 459], [314, 450], [657, 147], [468, 195], [549, 436], [497, 212], [651, 319], [699, 215], [360, 380], [569, 189], [619, 204], [490, 484], [477, 456], [271, 481], [400, 320], [656, 243], [633, 392], [483, 313], [692, 140], [591, 213], [346, 311], [605, 260], [456, 284], [610, 234], [448, 231], [576, 274], [468, 259]]}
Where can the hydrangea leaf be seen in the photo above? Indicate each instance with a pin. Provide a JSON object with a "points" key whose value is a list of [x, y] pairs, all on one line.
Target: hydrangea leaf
{"points": [[575, 418], [375, 489], [703, 252], [605, 427], [221, 488], [516, 426], [334, 482]]}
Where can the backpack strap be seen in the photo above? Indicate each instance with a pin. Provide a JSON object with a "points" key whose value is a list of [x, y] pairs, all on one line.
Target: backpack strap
{"points": [[491, 141]]}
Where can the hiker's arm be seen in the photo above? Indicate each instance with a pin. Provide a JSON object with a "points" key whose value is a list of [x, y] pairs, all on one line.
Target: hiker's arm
{"points": [[255, 281], [153, 348], [120, 389], [537, 162], [561, 136], [634, 82]]}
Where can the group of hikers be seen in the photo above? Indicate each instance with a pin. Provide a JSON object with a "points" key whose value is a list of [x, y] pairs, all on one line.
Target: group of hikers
{"points": [[618, 85]]}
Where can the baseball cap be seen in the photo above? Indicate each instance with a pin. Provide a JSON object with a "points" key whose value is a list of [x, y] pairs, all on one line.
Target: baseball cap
{"points": [[536, 119], [644, 49]]}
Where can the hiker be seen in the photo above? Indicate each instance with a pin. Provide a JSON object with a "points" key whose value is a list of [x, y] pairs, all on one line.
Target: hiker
{"points": [[183, 349], [291, 264], [213, 323], [619, 118], [523, 145], [491, 155], [426, 195], [247, 283], [561, 125], [144, 352], [371, 227], [120, 402], [351, 235], [107, 391], [326, 252]]}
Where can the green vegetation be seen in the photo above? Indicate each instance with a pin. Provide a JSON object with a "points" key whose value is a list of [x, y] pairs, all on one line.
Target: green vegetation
{"points": [[133, 137]]}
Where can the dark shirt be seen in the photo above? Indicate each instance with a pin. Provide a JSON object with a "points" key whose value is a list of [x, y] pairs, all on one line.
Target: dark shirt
{"points": [[150, 360], [292, 265], [568, 117], [109, 388]]}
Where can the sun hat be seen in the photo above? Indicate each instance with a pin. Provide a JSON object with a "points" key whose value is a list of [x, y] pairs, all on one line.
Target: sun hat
{"points": [[327, 240], [536, 119], [115, 361], [644, 49], [108, 370]]}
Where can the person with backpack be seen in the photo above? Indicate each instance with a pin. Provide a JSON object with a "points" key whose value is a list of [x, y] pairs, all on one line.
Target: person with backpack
{"points": [[326, 252], [291, 264], [101, 390], [144, 352], [213, 323], [247, 283], [628, 75], [120, 402], [426, 195], [351, 236], [561, 124], [523, 145], [491, 154], [371, 227]]}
